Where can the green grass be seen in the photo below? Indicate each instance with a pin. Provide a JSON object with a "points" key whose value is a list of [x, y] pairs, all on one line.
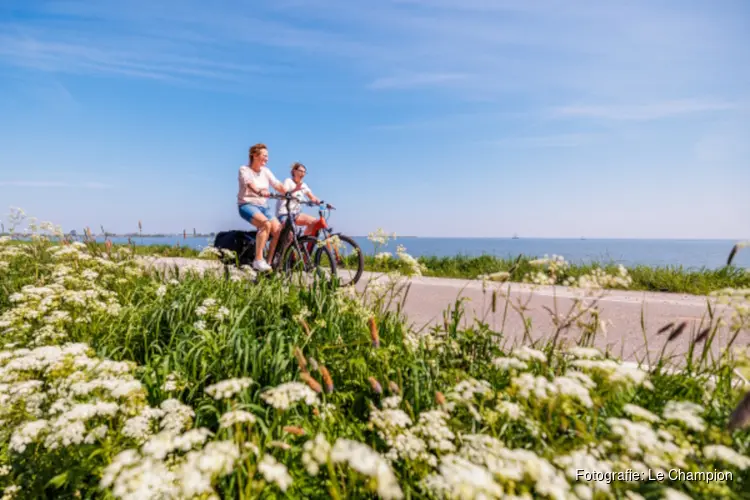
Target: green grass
{"points": [[458, 381], [673, 279]]}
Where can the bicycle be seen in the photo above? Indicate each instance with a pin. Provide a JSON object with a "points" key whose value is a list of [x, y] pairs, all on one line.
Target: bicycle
{"points": [[292, 250], [295, 249], [323, 233]]}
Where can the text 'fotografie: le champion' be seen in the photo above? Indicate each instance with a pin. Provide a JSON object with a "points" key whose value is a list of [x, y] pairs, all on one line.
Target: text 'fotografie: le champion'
{"points": [[653, 475]]}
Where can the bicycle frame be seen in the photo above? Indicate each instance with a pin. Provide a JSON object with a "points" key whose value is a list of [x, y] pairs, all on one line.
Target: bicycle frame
{"points": [[319, 231], [290, 228], [321, 226]]}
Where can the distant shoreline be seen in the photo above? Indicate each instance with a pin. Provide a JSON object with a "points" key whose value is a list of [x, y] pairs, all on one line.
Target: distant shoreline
{"points": [[364, 236]]}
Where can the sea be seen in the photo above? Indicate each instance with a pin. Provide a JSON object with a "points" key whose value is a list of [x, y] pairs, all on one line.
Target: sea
{"points": [[688, 254]]}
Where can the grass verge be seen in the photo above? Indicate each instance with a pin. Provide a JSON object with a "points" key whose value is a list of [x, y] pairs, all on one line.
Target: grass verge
{"points": [[120, 383]]}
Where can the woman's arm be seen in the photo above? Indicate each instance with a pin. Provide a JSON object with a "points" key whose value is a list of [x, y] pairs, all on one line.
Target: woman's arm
{"points": [[311, 196], [273, 181]]}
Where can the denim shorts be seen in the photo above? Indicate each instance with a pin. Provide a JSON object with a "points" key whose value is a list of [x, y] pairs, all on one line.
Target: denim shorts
{"points": [[248, 211]]}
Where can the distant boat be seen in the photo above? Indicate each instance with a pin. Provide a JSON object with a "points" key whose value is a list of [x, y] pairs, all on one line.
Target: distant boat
{"points": [[515, 236]]}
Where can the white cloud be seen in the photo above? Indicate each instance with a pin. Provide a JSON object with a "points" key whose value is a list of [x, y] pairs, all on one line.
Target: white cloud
{"points": [[547, 141], [482, 48], [651, 111], [55, 184], [417, 80]]}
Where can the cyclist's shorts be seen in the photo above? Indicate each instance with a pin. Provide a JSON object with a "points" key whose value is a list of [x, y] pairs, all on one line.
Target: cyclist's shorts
{"points": [[248, 211]]}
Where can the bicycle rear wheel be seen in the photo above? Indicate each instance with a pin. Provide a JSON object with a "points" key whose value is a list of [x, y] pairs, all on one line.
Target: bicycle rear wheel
{"points": [[309, 257], [350, 261]]}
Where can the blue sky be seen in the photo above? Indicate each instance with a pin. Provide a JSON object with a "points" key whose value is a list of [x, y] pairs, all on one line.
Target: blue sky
{"points": [[424, 117]]}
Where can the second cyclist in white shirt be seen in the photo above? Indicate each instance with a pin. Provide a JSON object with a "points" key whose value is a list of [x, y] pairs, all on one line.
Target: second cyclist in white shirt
{"points": [[300, 190]]}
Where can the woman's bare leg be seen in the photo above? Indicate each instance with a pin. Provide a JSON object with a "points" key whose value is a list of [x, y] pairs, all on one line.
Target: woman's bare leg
{"points": [[307, 221], [275, 228], [264, 228]]}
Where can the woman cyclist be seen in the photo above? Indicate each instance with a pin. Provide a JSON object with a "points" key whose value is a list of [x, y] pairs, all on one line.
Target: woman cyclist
{"points": [[254, 180], [299, 188]]}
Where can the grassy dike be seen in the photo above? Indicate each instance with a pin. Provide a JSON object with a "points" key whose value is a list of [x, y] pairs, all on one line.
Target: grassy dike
{"points": [[119, 383], [674, 279]]}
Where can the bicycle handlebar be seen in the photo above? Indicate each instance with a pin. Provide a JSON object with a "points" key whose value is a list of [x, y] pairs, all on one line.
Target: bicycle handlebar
{"points": [[288, 197]]}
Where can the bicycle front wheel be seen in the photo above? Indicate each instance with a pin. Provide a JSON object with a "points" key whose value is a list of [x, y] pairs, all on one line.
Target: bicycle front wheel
{"points": [[309, 257], [350, 261]]}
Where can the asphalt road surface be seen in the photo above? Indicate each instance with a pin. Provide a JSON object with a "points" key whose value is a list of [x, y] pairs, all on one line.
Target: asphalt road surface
{"points": [[622, 312]]}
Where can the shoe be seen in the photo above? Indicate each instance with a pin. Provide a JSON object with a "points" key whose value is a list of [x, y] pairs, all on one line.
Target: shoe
{"points": [[261, 265]]}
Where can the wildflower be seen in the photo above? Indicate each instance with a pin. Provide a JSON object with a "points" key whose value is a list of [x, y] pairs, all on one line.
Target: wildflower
{"points": [[638, 412], [10, 492], [459, 477], [27, 434], [275, 472], [285, 395], [685, 412], [726, 455], [315, 453], [525, 353], [391, 402], [510, 410], [673, 494], [584, 352], [171, 383], [228, 388], [507, 364], [236, 417], [365, 460]]}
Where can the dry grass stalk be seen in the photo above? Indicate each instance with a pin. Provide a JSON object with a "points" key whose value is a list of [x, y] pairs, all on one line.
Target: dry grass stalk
{"points": [[305, 327], [327, 380], [439, 398], [377, 389], [374, 332], [740, 417], [293, 429], [311, 382], [300, 359]]}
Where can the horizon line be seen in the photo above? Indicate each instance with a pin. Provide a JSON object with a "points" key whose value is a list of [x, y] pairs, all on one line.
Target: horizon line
{"points": [[598, 238]]}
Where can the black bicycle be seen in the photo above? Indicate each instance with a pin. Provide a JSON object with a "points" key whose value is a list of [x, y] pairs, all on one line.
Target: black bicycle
{"points": [[294, 250]]}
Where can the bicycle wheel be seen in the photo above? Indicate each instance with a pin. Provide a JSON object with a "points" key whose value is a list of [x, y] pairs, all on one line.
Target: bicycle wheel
{"points": [[350, 261], [309, 257]]}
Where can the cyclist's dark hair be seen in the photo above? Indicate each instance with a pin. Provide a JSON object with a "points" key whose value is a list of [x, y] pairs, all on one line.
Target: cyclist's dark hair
{"points": [[254, 150], [296, 166]]}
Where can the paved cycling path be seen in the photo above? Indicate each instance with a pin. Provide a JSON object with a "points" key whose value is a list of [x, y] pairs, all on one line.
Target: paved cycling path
{"points": [[620, 310]]}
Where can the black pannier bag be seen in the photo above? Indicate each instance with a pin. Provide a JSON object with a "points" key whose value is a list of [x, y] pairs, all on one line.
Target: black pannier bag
{"points": [[242, 243]]}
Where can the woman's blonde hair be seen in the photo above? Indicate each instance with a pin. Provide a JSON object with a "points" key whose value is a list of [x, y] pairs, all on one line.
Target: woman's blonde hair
{"points": [[255, 149]]}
